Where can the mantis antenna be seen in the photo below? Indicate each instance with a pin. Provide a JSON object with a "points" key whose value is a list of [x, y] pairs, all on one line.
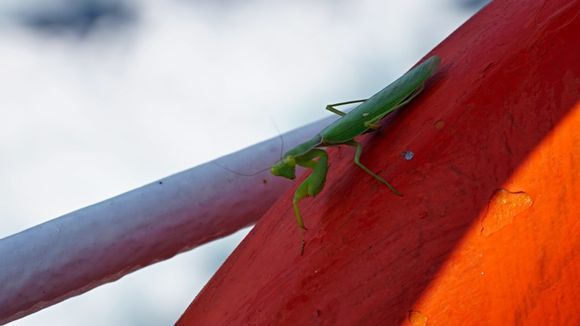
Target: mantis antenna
{"points": [[282, 145]]}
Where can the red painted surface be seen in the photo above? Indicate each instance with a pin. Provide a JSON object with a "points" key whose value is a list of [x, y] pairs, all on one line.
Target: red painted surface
{"points": [[487, 232]]}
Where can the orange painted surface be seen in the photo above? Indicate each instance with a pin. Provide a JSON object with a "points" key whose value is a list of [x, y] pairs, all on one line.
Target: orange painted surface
{"points": [[487, 232]]}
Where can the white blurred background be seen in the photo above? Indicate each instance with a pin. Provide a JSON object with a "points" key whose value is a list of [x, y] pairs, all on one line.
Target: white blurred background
{"points": [[98, 97]]}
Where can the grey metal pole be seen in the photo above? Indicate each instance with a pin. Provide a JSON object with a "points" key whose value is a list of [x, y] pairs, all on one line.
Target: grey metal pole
{"points": [[79, 251]]}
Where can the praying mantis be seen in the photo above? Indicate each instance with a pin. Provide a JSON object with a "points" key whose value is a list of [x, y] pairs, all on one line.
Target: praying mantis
{"points": [[362, 119]]}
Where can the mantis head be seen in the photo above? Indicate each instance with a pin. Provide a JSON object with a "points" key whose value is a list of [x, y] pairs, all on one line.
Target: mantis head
{"points": [[286, 168]]}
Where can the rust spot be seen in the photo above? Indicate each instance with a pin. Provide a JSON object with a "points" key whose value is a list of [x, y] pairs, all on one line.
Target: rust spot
{"points": [[439, 124], [417, 319], [503, 207]]}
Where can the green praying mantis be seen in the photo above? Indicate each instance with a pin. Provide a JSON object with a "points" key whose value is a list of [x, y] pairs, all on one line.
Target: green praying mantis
{"points": [[362, 119]]}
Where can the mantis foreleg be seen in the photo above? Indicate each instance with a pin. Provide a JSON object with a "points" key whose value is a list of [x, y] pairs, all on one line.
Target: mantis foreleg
{"points": [[367, 170], [314, 183]]}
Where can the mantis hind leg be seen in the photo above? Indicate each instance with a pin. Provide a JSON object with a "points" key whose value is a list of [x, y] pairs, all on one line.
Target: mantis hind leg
{"points": [[331, 107], [314, 183], [367, 170]]}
